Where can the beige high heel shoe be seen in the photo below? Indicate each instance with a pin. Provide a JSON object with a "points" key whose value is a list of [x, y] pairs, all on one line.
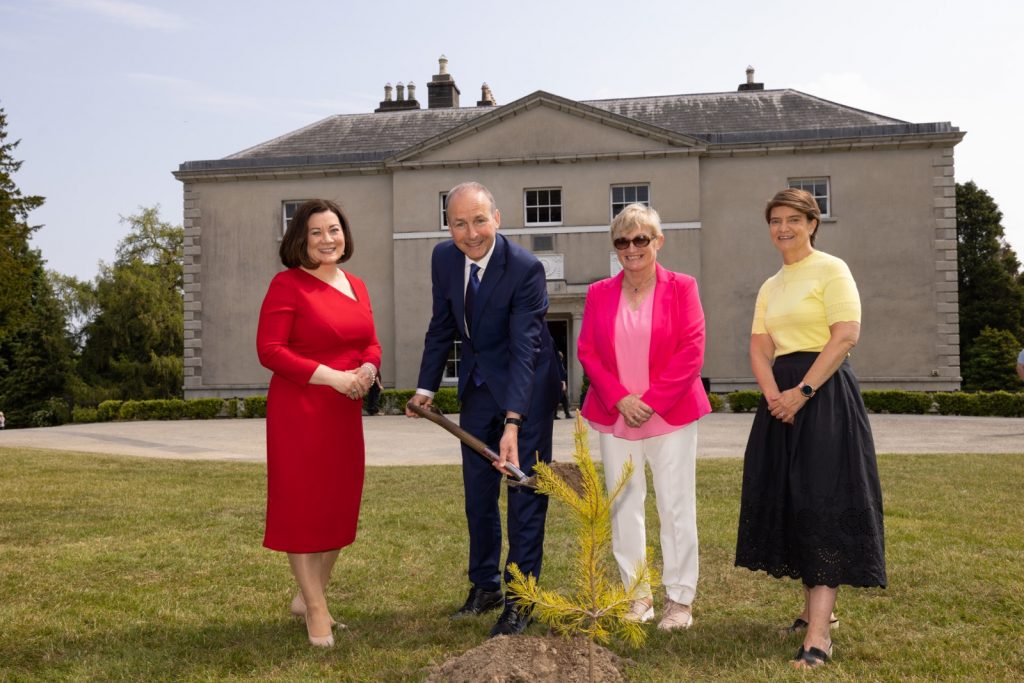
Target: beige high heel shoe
{"points": [[298, 609], [318, 641]]}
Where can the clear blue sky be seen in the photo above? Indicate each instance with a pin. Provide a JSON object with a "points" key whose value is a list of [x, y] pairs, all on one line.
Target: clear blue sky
{"points": [[109, 96]]}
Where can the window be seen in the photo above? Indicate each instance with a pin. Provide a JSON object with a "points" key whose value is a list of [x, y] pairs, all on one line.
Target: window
{"points": [[623, 195], [543, 206], [819, 189], [287, 211], [451, 368], [444, 211]]}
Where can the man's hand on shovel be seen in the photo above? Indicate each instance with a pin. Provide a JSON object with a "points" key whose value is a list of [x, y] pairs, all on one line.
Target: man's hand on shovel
{"points": [[508, 447], [421, 400]]}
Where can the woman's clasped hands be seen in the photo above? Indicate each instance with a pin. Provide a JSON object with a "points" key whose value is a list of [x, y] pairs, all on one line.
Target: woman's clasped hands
{"points": [[634, 411], [785, 405]]}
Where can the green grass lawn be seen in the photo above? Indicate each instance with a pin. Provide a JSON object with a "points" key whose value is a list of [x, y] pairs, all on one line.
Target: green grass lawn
{"points": [[116, 568]]}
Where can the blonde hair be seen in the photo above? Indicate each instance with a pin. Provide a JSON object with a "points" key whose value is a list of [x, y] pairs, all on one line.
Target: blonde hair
{"points": [[634, 216]]}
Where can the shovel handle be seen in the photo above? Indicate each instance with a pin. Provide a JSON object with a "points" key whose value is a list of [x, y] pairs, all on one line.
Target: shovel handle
{"points": [[435, 416]]}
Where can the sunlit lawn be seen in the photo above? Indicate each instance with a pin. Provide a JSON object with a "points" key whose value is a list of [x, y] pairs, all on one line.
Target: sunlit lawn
{"points": [[116, 568]]}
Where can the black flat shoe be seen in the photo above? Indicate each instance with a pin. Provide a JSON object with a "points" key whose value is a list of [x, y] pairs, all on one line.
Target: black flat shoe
{"points": [[512, 621], [812, 657], [480, 601], [799, 625]]}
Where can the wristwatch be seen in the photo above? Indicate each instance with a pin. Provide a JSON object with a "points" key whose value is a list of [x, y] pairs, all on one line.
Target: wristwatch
{"points": [[517, 421], [806, 390]]}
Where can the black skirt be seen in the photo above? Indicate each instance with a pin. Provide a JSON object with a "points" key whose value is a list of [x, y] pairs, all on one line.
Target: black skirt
{"points": [[812, 504]]}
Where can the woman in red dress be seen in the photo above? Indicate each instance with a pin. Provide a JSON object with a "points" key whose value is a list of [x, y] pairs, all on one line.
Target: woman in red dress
{"points": [[316, 334]]}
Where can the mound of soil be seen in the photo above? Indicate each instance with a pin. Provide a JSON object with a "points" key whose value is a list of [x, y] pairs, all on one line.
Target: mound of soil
{"points": [[526, 659]]}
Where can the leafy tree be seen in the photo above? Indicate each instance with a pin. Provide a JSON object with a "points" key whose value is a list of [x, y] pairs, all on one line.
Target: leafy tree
{"points": [[34, 354], [991, 294], [991, 362], [133, 342]]}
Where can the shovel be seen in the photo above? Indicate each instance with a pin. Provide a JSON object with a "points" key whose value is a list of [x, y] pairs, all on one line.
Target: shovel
{"points": [[435, 416]]}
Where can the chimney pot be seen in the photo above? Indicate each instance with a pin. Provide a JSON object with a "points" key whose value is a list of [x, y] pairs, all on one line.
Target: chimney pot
{"points": [[750, 84], [443, 65], [411, 90], [441, 89], [400, 90], [387, 92]]}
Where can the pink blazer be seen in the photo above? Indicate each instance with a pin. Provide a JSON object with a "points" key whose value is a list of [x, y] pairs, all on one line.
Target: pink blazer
{"points": [[677, 350]]}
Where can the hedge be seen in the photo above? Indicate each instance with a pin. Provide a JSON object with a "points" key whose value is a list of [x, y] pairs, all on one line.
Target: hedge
{"points": [[898, 402], [392, 402]]}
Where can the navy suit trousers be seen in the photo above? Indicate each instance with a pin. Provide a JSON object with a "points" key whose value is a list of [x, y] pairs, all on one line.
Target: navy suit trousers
{"points": [[482, 417]]}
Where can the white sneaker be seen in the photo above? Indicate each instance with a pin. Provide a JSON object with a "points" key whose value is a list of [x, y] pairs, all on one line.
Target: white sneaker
{"points": [[677, 616], [641, 611]]}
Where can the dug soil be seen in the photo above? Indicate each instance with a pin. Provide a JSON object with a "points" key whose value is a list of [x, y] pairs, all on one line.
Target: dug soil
{"points": [[523, 659]]}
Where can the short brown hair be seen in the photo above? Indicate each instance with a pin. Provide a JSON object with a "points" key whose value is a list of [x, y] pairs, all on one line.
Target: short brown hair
{"points": [[293, 249], [800, 200]]}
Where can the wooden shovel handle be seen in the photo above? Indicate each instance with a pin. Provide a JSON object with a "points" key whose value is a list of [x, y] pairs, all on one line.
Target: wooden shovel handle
{"points": [[435, 416]]}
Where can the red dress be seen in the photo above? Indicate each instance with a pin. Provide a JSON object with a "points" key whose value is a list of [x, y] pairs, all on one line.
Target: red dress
{"points": [[315, 454]]}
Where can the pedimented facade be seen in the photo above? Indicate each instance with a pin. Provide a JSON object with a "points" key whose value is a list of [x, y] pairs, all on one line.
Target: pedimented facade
{"points": [[559, 169]]}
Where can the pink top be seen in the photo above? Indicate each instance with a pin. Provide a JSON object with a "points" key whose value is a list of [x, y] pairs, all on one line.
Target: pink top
{"points": [[632, 356]]}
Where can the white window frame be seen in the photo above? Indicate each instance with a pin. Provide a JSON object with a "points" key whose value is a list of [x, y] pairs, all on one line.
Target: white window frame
{"points": [[811, 182], [451, 366], [443, 210], [548, 207], [285, 205], [623, 204]]}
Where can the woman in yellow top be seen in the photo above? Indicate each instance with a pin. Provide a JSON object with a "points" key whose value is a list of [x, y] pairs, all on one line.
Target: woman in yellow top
{"points": [[812, 505]]}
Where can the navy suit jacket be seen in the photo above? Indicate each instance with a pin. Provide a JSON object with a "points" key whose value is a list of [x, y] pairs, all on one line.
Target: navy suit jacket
{"points": [[509, 341]]}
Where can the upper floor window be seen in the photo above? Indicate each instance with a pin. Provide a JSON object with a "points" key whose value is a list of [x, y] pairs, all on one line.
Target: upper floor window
{"points": [[543, 206], [444, 211], [287, 211], [624, 195], [819, 189]]}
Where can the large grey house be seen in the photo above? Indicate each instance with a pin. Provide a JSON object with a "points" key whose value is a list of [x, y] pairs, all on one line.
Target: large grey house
{"points": [[559, 170]]}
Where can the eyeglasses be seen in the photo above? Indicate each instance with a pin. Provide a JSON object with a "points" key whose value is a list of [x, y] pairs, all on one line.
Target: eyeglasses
{"points": [[640, 241]]}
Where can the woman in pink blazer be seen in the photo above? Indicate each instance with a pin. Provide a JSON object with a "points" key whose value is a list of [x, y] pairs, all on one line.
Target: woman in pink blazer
{"points": [[642, 346]]}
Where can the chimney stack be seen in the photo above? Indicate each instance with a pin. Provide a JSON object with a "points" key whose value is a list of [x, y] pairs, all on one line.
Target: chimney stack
{"points": [[486, 97], [750, 84], [400, 103], [441, 90]]}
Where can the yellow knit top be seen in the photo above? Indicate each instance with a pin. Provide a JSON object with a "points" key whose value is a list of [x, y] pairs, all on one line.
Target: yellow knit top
{"points": [[797, 304]]}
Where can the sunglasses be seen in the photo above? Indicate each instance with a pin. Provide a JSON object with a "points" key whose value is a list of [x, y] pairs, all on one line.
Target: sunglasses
{"points": [[640, 241]]}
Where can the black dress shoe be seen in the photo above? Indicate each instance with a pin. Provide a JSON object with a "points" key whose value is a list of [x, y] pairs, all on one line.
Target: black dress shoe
{"points": [[512, 622], [480, 601]]}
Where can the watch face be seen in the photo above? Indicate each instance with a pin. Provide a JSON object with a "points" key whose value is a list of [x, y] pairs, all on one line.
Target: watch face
{"points": [[807, 391]]}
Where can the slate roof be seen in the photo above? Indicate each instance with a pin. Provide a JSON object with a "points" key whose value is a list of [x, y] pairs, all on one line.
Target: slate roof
{"points": [[716, 118]]}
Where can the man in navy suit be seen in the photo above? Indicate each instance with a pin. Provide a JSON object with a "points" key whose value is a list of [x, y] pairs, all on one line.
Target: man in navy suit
{"points": [[491, 294]]}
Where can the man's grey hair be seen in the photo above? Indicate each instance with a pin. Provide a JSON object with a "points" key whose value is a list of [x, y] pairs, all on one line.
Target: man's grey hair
{"points": [[471, 185]]}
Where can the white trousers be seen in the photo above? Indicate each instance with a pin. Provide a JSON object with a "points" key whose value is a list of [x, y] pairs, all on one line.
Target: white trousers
{"points": [[672, 458]]}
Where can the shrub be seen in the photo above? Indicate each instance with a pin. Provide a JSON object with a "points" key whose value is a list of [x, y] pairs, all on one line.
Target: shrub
{"points": [[717, 404], [898, 402], [743, 401], [255, 406], [392, 401], [108, 410], [231, 407], [128, 410], [584, 388], [203, 408], [990, 362], [956, 403], [446, 400], [82, 414], [54, 412], [1001, 404]]}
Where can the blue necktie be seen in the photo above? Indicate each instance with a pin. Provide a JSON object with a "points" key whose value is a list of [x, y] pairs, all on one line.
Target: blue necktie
{"points": [[471, 290]]}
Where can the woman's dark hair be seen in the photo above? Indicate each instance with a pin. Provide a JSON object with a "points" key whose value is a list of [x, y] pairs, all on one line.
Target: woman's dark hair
{"points": [[296, 238], [799, 200]]}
